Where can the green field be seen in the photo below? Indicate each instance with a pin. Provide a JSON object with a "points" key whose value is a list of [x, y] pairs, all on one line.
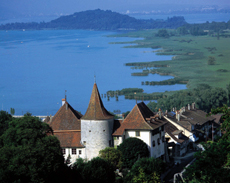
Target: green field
{"points": [[191, 57]]}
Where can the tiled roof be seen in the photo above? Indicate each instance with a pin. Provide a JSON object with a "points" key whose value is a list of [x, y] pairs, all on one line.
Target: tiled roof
{"points": [[66, 119], [96, 109], [69, 138], [191, 117], [196, 116], [140, 118], [171, 129]]}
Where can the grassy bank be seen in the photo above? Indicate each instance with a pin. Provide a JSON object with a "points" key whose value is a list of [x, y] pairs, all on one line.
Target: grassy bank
{"points": [[196, 59]]}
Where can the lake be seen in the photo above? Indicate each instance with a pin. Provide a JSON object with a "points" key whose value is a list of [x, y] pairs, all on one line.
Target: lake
{"points": [[36, 67]]}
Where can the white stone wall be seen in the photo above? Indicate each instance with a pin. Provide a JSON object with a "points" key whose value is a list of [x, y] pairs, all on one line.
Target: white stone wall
{"points": [[144, 136], [95, 135], [68, 151], [185, 131], [157, 150]]}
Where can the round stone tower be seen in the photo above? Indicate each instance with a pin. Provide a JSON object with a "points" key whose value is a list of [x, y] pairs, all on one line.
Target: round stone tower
{"points": [[96, 126]]}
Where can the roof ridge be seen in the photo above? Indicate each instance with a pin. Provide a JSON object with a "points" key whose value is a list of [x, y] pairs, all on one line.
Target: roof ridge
{"points": [[143, 116]]}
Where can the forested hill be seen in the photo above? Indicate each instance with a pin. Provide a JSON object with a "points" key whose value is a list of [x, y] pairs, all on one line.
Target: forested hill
{"points": [[98, 20]]}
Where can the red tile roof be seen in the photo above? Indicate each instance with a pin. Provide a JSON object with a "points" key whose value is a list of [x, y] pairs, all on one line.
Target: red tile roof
{"points": [[68, 138], [140, 118], [66, 119], [96, 109]]}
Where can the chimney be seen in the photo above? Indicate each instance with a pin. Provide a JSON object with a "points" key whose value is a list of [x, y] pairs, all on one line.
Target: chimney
{"points": [[189, 107], [178, 117], [63, 101], [159, 113], [166, 113], [176, 114], [193, 105]]}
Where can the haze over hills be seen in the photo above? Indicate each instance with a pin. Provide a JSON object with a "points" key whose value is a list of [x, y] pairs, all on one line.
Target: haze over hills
{"points": [[98, 20]]}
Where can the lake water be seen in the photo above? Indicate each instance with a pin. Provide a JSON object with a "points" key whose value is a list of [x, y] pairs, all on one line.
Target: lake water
{"points": [[36, 67]]}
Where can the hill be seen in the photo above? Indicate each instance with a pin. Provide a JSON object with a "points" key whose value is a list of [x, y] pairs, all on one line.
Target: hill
{"points": [[99, 20]]}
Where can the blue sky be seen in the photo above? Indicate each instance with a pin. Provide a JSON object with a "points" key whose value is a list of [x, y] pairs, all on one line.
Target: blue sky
{"points": [[71, 6]]}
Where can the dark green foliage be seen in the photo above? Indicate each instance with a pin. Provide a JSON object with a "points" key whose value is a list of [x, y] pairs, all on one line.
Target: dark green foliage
{"points": [[212, 165], [12, 111], [96, 170], [98, 20], [211, 60], [28, 154], [163, 33], [132, 149], [112, 155], [149, 166], [204, 96], [5, 118]]}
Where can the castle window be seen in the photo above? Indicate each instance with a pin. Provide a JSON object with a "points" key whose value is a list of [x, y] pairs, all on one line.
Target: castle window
{"points": [[79, 152], [63, 150], [153, 143], [158, 141], [137, 133], [74, 151]]}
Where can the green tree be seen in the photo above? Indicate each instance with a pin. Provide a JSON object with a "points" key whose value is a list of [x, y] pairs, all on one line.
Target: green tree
{"points": [[28, 154], [112, 155], [211, 60], [163, 33], [151, 168], [5, 118], [12, 111], [98, 170], [141, 177], [212, 165], [132, 149]]}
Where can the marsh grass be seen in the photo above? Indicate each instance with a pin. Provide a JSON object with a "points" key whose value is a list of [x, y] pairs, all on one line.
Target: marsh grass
{"points": [[190, 56]]}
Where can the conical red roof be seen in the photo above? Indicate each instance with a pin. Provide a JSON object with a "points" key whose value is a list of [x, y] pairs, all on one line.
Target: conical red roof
{"points": [[96, 109]]}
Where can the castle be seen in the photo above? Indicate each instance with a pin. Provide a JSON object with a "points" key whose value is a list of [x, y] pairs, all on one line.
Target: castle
{"points": [[85, 135]]}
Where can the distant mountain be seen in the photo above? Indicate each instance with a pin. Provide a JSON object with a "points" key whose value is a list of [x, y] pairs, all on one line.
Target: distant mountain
{"points": [[99, 20]]}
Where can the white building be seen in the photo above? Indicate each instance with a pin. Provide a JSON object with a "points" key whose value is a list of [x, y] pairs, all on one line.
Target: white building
{"points": [[84, 136], [142, 123]]}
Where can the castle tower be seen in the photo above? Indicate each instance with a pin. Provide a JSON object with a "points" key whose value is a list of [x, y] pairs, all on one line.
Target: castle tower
{"points": [[96, 126]]}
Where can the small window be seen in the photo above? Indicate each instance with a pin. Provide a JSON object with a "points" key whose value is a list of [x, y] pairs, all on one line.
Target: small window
{"points": [[103, 130], [89, 130], [163, 139], [63, 150], [137, 133], [74, 151], [84, 142], [79, 151], [158, 141], [154, 143]]}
